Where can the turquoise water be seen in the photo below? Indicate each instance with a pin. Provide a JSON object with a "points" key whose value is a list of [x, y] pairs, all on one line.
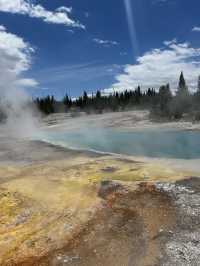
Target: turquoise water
{"points": [[159, 144]]}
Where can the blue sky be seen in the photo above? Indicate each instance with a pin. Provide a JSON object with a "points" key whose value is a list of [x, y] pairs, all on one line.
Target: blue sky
{"points": [[81, 45]]}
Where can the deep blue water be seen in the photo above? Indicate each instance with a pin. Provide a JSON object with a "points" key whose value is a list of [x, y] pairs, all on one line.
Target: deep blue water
{"points": [[160, 144]]}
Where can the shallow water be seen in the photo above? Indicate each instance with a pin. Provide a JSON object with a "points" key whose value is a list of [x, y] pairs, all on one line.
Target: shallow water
{"points": [[158, 144]]}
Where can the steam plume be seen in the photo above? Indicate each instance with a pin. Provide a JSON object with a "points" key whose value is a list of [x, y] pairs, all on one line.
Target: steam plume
{"points": [[15, 56]]}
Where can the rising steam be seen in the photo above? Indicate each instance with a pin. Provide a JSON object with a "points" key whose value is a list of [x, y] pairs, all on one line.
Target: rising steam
{"points": [[15, 104]]}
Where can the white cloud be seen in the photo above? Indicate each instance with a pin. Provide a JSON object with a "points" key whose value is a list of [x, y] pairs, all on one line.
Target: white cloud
{"points": [[64, 9], [25, 7], [15, 57], [2, 28], [161, 66], [27, 83], [196, 29], [105, 43]]}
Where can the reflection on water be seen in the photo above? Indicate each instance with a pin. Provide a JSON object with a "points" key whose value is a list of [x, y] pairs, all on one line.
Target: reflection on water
{"points": [[172, 144]]}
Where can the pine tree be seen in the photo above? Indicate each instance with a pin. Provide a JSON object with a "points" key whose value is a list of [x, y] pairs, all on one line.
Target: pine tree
{"points": [[67, 102], [182, 87], [198, 85], [165, 96], [182, 83], [182, 102], [98, 94], [85, 98]]}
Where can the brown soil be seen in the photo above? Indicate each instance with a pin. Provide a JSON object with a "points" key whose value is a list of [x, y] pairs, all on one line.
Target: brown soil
{"points": [[127, 231]]}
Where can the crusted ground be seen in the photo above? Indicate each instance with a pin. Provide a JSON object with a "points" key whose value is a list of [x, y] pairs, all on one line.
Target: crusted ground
{"points": [[78, 208]]}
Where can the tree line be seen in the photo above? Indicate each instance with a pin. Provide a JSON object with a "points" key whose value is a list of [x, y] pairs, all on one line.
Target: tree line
{"points": [[161, 103]]}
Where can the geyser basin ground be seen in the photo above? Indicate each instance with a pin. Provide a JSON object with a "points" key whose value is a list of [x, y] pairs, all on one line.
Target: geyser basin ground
{"points": [[49, 196], [148, 143], [69, 207]]}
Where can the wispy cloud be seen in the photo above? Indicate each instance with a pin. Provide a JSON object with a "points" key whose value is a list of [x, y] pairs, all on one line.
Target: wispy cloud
{"points": [[160, 66], [85, 72], [105, 43], [123, 53], [196, 29], [25, 7], [163, 1], [160, 1], [87, 14]]}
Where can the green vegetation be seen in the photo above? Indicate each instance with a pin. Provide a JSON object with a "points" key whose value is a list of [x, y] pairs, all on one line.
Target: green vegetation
{"points": [[46, 105], [161, 103]]}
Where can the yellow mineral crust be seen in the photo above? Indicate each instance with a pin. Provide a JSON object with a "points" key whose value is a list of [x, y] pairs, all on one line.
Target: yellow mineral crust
{"points": [[45, 205]]}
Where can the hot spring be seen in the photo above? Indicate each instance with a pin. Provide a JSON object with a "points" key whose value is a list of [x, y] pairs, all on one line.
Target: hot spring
{"points": [[148, 143]]}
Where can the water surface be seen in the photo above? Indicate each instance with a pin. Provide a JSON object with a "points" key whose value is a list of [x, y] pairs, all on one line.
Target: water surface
{"points": [[158, 144]]}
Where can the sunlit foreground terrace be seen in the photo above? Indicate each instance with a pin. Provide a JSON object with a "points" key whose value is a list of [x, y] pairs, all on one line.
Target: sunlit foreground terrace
{"points": [[78, 208]]}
